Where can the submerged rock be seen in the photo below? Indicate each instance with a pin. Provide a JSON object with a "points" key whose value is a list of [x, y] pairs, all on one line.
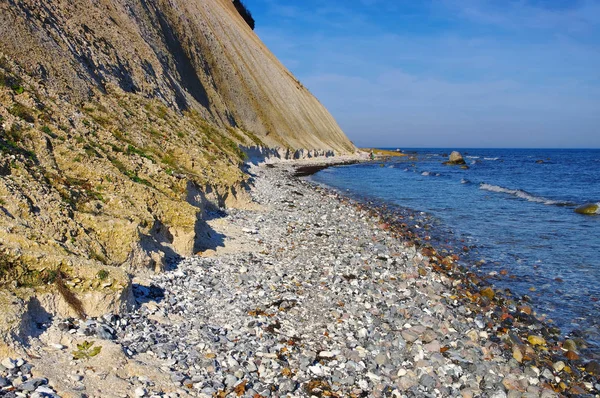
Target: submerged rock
{"points": [[589, 208], [455, 159], [593, 367]]}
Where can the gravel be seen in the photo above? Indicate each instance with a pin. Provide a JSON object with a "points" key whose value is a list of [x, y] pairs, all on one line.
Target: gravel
{"points": [[332, 305]]}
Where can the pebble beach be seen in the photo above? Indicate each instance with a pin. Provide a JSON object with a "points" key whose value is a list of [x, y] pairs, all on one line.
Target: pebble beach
{"points": [[317, 295]]}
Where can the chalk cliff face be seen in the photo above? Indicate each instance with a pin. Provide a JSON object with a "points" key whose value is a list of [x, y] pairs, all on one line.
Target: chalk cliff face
{"points": [[191, 54], [121, 123]]}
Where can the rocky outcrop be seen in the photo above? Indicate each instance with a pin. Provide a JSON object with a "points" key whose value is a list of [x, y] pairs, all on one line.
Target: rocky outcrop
{"points": [[455, 158], [259, 154]]}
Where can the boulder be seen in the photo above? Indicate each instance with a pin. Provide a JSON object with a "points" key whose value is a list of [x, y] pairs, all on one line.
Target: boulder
{"points": [[455, 158], [589, 208]]}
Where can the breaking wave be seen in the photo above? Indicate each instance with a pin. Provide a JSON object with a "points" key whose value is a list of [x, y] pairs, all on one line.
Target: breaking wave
{"points": [[491, 158], [523, 195]]}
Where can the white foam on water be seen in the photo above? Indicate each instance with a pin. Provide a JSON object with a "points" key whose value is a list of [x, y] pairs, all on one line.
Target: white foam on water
{"points": [[491, 158], [425, 173], [522, 194], [472, 157]]}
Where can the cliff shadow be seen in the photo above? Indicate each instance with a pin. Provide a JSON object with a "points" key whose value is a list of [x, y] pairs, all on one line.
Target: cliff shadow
{"points": [[145, 294], [183, 64], [206, 236], [36, 321]]}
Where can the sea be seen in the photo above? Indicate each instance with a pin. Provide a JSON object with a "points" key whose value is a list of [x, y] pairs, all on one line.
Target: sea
{"points": [[510, 215]]}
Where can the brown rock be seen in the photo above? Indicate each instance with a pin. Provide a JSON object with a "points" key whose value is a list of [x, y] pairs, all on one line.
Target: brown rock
{"points": [[488, 292], [572, 355]]}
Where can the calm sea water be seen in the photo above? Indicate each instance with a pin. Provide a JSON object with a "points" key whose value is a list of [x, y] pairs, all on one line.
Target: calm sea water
{"points": [[516, 213]]}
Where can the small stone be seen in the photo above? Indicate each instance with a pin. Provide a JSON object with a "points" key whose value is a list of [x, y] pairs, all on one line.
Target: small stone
{"points": [[510, 382], [8, 363], [517, 354], [32, 384], [177, 377], [569, 345], [409, 335], [466, 393], [3, 382], [547, 374], [105, 332], [287, 386], [381, 359], [593, 368], [140, 392], [558, 366], [230, 380], [45, 390], [363, 384], [326, 354], [427, 381], [536, 340], [572, 355], [488, 292], [434, 346]]}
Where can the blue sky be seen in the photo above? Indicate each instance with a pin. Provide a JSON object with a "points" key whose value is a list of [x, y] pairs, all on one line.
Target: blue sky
{"points": [[446, 73]]}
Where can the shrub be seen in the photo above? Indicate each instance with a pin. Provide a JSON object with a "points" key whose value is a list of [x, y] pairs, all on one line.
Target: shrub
{"points": [[23, 112], [18, 89], [133, 150], [48, 130], [102, 274], [244, 12]]}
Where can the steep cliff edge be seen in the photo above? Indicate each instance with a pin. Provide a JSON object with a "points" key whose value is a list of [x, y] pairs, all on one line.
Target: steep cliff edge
{"points": [[121, 124], [191, 54]]}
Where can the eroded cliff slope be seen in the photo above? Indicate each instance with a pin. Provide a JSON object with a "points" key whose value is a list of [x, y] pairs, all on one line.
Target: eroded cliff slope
{"points": [[192, 54], [120, 125]]}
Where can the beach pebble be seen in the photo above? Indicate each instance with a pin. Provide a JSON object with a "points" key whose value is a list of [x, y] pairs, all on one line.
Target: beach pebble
{"points": [[8, 363], [328, 300]]}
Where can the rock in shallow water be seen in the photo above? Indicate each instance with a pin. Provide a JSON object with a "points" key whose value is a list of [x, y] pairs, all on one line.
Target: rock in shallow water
{"points": [[455, 159], [588, 209]]}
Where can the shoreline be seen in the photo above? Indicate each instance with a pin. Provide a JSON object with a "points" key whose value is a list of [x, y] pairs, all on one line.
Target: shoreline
{"points": [[326, 299]]}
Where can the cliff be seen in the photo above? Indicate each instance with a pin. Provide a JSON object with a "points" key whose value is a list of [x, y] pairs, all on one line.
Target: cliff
{"points": [[121, 124], [192, 55]]}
